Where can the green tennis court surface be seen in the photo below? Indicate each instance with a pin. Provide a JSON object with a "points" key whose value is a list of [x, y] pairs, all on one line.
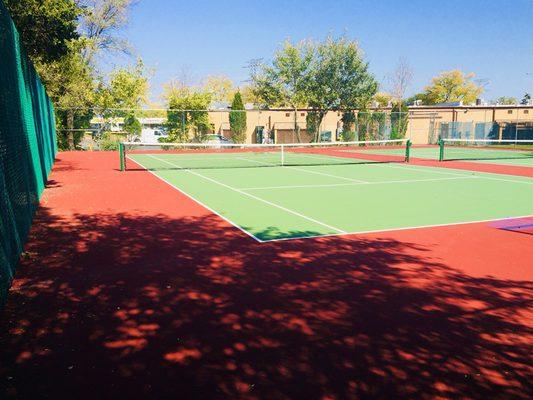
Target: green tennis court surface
{"points": [[506, 155], [316, 200]]}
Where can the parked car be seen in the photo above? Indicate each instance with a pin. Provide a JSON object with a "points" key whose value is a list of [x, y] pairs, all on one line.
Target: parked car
{"points": [[216, 139]]}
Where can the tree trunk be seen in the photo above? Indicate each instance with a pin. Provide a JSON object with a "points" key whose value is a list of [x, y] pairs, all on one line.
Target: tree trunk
{"points": [[320, 117], [296, 127], [70, 129]]}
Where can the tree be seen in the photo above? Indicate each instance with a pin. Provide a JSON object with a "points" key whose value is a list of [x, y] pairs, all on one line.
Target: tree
{"points": [[506, 100], [237, 119], [339, 79], [120, 97], [220, 87], [187, 110], [399, 121], [46, 26], [416, 97], [62, 37], [400, 80], [331, 75], [126, 90], [100, 25], [48, 32], [383, 99], [526, 99], [70, 84], [452, 86], [313, 119], [132, 127], [372, 125], [284, 81], [248, 95]]}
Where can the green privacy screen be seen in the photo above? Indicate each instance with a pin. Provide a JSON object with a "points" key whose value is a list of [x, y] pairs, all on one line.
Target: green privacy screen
{"points": [[27, 146]]}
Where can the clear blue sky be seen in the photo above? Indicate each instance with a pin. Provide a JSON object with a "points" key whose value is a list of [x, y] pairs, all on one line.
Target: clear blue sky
{"points": [[492, 38]]}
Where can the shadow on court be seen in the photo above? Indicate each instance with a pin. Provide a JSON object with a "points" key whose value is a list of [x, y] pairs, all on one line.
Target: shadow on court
{"points": [[132, 306]]}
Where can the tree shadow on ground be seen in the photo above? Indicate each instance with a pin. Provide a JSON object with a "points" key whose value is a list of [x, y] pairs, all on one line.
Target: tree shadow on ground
{"points": [[131, 306]]}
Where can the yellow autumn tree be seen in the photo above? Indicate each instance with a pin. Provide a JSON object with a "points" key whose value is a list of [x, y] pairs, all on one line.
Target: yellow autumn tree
{"points": [[451, 86]]}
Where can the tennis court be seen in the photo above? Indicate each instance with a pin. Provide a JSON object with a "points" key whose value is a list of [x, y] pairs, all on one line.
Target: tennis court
{"points": [[318, 193], [474, 151]]}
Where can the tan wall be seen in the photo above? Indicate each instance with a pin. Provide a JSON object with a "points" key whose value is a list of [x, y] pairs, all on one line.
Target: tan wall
{"points": [[473, 115], [514, 115], [424, 121]]}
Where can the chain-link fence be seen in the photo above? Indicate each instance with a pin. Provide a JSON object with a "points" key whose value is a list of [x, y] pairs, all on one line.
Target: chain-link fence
{"points": [[27, 146]]}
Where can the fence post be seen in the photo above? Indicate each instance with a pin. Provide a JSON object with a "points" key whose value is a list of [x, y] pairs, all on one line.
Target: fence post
{"points": [[122, 156], [441, 150], [408, 150]]}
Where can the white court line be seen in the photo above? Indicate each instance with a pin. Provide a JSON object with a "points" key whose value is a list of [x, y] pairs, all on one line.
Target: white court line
{"points": [[198, 201], [479, 174], [308, 171], [359, 183], [252, 196], [340, 233], [423, 167], [330, 175], [396, 229], [414, 168]]}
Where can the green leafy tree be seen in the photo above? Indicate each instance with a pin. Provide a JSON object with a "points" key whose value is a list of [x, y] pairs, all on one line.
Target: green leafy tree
{"points": [[132, 127], [46, 26], [48, 29], [312, 121], [284, 81], [127, 89], [372, 125], [348, 126], [399, 121], [340, 79], [331, 75], [526, 99], [237, 119], [64, 38], [416, 97], [452, 86], [120, 97], [249, 96], [382, 99], [70, 84], [506, 100], [187, 112]]}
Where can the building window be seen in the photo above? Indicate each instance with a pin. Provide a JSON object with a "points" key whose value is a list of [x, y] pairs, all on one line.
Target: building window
{"points": [[302, 114], [509, 111], [526, 111], [287, 114]]}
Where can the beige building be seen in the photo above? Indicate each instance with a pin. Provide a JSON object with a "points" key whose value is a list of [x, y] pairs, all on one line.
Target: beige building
{"points": [[427, 123], [422, 124]]}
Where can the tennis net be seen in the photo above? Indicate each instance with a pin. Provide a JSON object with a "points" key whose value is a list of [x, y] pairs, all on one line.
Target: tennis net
{"points": [[485, 149], [157, 156]]}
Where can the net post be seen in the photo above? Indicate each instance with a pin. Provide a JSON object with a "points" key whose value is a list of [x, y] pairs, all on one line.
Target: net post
{"points": [[441, 149], [408, 150], [122, 156]]}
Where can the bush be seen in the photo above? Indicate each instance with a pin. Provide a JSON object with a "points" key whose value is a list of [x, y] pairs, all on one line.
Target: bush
{"points": [[399, 121], [348, 136], [108, 143], [62, 140]]}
